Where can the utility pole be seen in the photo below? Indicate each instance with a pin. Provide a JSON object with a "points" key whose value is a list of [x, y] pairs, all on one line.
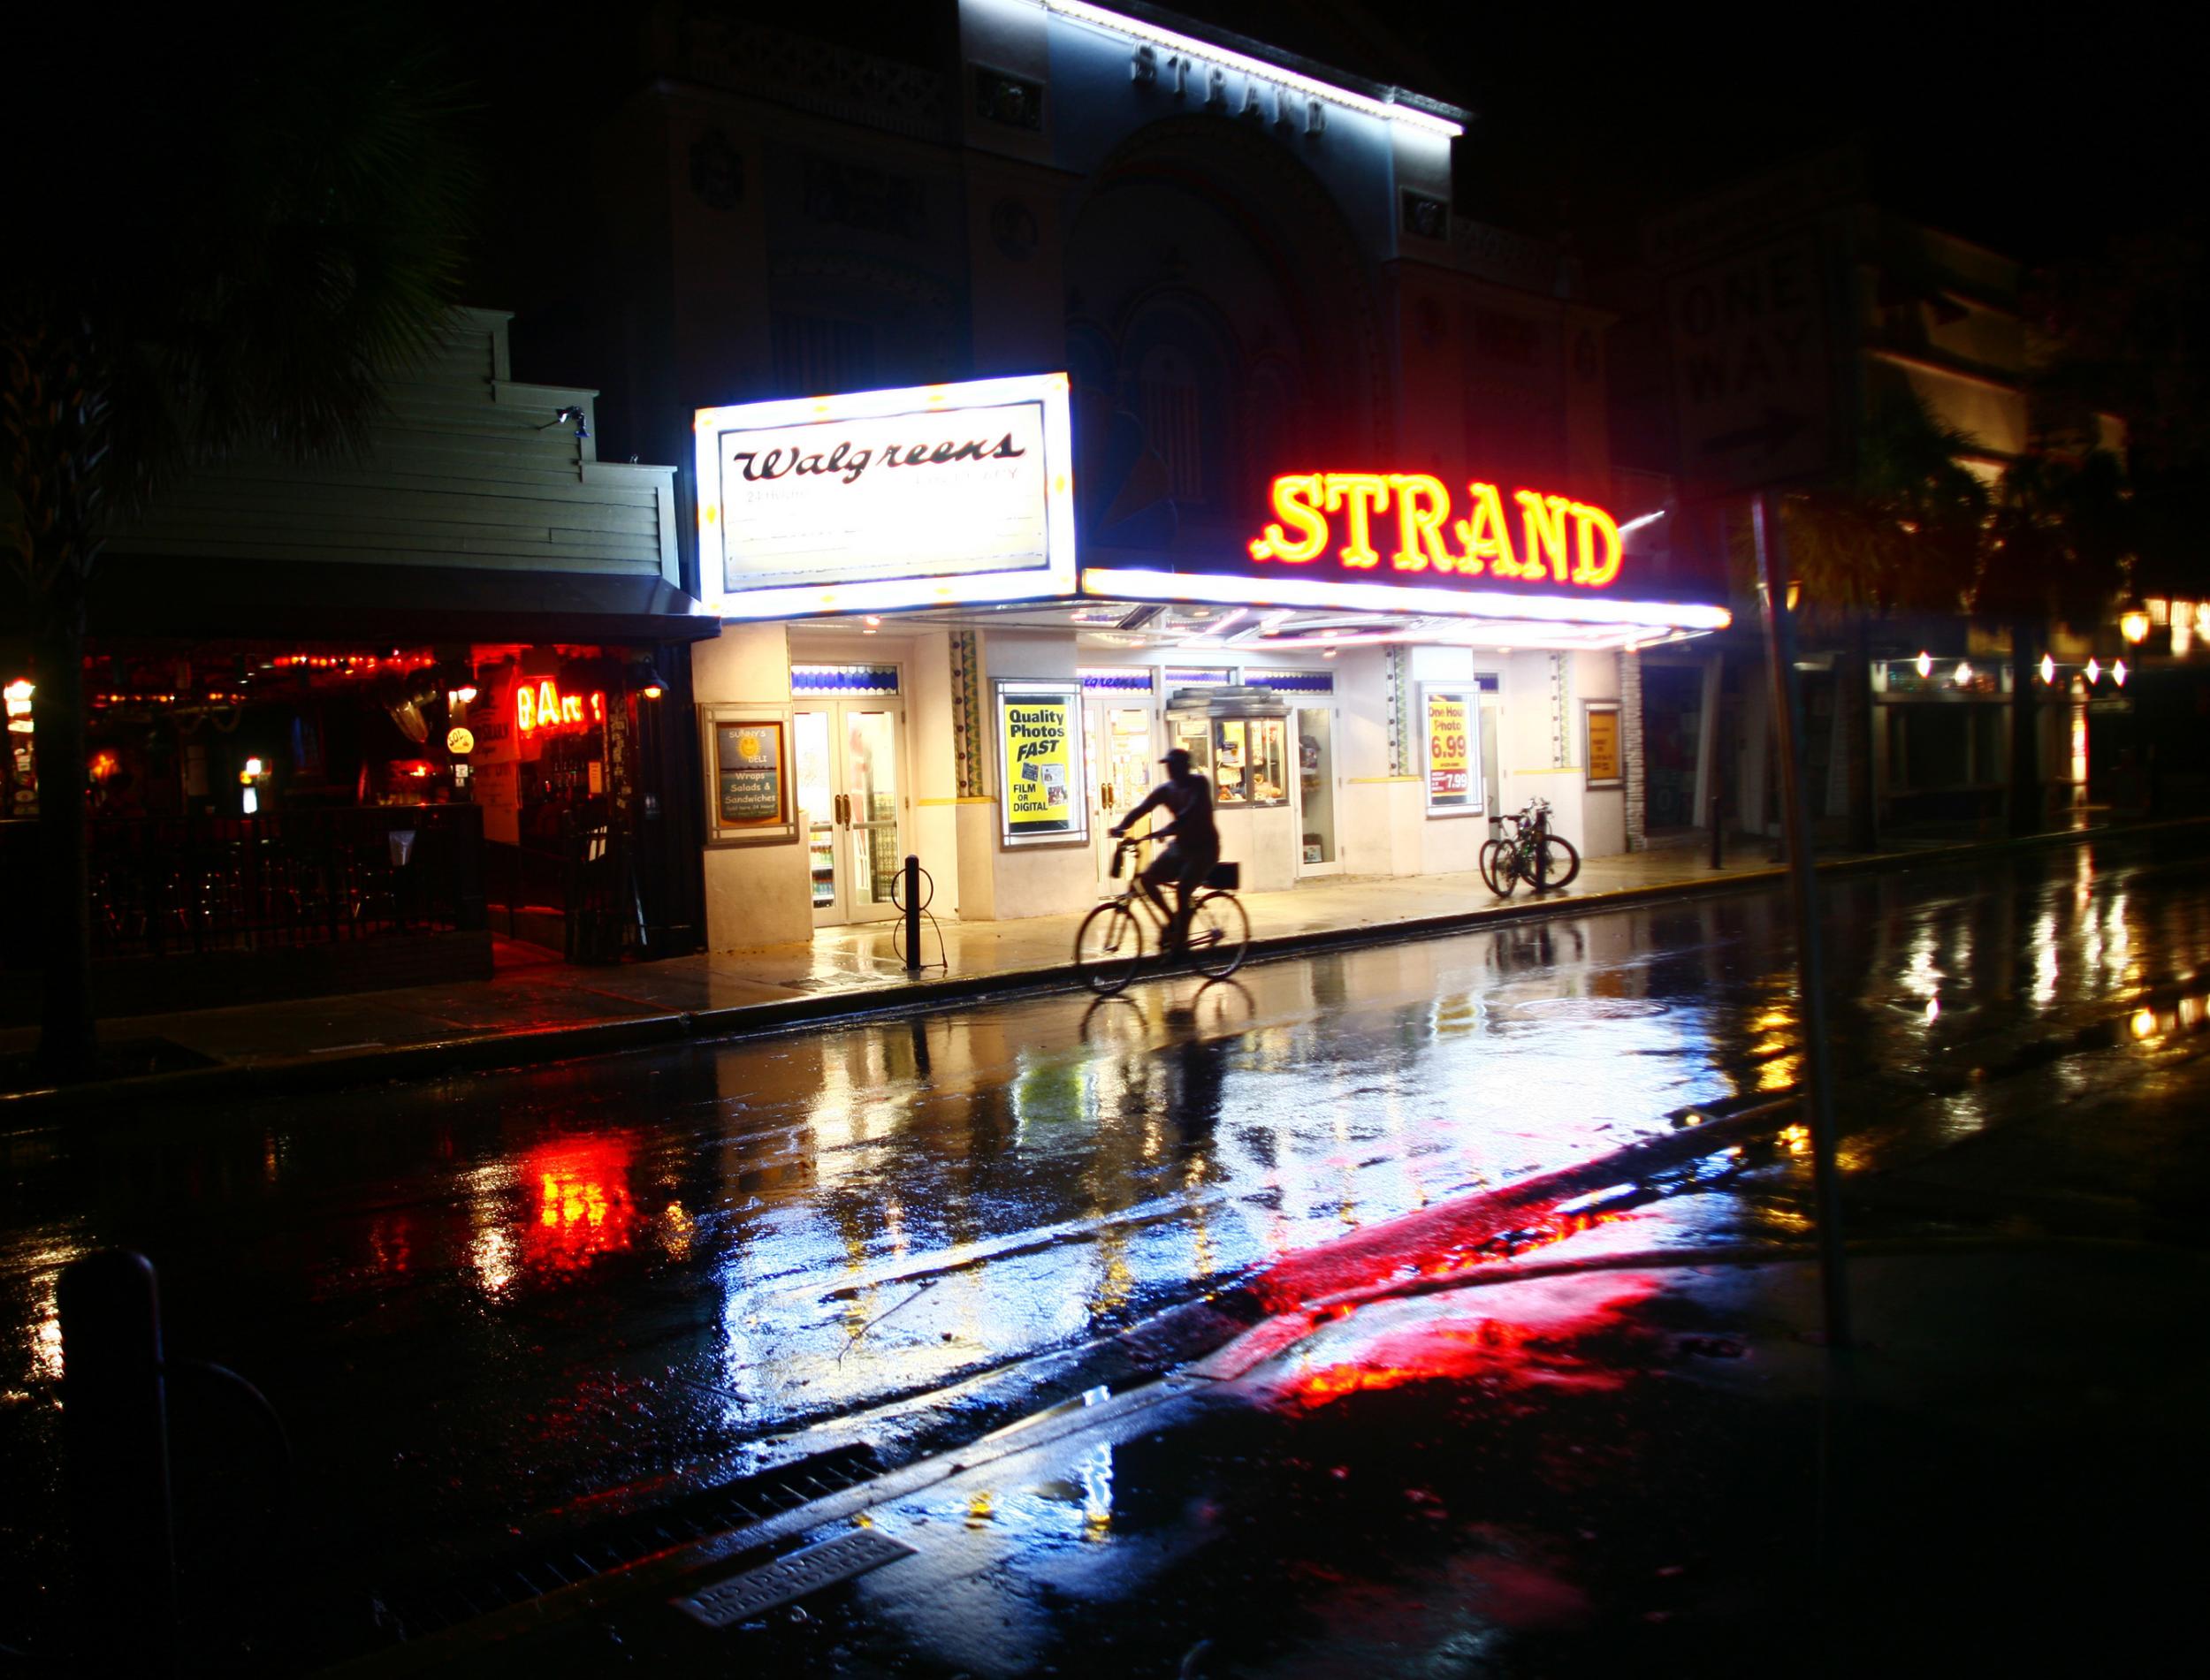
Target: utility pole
{"points": [[1811, 968]]}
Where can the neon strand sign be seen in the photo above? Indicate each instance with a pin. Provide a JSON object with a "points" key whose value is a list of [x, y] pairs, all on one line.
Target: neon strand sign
{"points": [[540, 708], [1561, 541]]}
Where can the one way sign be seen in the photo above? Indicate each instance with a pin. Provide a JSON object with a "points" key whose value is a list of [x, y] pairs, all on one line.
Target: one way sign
{"points": [[1749, 350]]}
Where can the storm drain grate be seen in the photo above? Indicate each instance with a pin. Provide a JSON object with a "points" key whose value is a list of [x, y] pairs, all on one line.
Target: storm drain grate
{"points": [[419, 1608], [728, 1603]]}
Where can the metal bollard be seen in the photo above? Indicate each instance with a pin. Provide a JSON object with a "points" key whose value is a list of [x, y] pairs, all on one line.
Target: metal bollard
{"points": [[1718, 836], [912, 913], [115, 1445]]}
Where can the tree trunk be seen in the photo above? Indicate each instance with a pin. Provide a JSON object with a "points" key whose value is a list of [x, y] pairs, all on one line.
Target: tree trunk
{"points": [[57, 710], [1855, 676], [2025, 735]]}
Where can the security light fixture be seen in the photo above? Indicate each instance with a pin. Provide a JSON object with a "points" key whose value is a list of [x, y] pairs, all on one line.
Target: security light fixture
{"points": [[571, 412]]}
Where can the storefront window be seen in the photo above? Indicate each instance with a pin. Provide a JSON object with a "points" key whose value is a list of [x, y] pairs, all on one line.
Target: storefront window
{"points": [[1449, 756], [1250, 761], [1192, 736]]}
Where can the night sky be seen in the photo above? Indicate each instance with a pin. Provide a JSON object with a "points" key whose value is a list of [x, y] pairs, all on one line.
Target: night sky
{"points": [[2043, 130]]}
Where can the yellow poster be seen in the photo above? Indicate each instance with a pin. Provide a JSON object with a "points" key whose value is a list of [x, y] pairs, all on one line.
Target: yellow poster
{"points": [[1604, 744], [1450, 779], [1037, 730]]}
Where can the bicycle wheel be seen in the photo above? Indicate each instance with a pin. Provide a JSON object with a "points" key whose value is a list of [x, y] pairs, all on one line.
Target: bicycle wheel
{"points": [[1493, 853], [1572, 861], [1219, 934], [1108, 948]]}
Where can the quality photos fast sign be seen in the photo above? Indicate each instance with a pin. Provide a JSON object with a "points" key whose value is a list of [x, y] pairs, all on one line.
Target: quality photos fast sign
{"points": [[888, 498], [1040, 763]]}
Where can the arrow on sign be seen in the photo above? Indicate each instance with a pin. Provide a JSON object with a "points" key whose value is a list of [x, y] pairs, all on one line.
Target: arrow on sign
{"points": [[1775, 429]]}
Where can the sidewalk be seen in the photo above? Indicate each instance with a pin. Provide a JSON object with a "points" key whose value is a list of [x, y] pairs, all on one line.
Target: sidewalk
{"points": [[536, 1008]]}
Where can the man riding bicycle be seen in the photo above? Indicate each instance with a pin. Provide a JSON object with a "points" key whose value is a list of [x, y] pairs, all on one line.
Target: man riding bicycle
{"points": [[1193, 843]]}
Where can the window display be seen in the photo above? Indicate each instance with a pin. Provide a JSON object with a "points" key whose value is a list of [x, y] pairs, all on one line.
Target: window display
{"points": [[1250, 761]]}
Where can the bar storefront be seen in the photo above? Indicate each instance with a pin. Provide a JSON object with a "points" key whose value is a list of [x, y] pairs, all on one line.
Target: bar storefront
{"points": [[349, 722], [1371, 667]]}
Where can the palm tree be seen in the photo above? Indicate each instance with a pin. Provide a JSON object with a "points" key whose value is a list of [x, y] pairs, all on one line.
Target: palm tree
{"points": [[1899, 533], [303, 236], [2060, 542]]}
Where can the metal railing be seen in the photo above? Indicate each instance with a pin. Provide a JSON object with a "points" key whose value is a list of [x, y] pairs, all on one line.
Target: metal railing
{"points": [[167, 886]]}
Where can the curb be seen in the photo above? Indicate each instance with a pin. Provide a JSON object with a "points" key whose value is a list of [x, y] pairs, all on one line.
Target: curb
{"points": [[482, 1052]]}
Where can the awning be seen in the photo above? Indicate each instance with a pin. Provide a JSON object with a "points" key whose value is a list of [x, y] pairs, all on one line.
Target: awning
{"points": [[140, 596]]}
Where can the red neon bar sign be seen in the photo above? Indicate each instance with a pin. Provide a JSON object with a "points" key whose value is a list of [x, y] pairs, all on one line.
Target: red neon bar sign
{"points": [[1559, 540], [540, 708]]}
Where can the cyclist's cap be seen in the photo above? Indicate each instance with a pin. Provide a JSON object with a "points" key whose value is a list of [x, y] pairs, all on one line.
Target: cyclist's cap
{"points": [[1177, 758]]}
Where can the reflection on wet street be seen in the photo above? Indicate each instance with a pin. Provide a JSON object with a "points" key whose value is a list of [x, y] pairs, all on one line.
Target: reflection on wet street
{"points": [[477, 1300]]}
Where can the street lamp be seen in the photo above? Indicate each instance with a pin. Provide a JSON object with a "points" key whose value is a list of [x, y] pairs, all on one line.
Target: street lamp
{"points": [[2133, 625]]}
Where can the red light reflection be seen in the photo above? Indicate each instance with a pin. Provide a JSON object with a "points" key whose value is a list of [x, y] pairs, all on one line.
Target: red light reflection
{"points": [[1537, 1343], [580, 1204], [1434, 1242]]}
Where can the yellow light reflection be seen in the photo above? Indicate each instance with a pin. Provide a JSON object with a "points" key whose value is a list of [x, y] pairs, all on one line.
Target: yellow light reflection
{"points": [[1779, 1073]]}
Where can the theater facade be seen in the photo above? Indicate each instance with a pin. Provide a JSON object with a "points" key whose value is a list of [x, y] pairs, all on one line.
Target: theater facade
{"points": [[1058, 383]]}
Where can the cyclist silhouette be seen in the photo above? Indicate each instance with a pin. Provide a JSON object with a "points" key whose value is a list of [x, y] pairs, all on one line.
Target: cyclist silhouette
{"points": [[1193, 848]]}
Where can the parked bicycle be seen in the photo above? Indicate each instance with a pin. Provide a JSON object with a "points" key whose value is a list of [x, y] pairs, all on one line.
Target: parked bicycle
{"points": [[1529, 853], [1109, 946]]}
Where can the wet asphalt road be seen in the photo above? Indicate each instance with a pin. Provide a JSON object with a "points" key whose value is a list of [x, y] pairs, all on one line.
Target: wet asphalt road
{"points": [[479, 1301]]}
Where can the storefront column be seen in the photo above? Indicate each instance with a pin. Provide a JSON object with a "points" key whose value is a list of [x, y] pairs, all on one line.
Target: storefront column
{"points": [[756, 894], [1631, 746], [1029, 881]]}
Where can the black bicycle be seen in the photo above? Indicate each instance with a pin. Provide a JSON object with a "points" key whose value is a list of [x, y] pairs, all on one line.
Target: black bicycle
{"points": [[1529, 853], [1108, 946]]}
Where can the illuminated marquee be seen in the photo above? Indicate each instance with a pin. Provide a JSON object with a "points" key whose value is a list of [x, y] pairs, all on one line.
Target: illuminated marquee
{"points": [[1352, 514], [541, 708], [919, 496]]}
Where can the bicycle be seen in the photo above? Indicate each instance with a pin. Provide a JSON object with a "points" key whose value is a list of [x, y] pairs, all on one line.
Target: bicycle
{"points": [[1529, 853], [1109, 946]]}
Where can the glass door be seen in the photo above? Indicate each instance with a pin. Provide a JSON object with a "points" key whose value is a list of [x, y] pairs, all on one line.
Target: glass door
{"points": [[1126, 769], [815, 735], [851, 789], [874, 810], [1319, 849]]}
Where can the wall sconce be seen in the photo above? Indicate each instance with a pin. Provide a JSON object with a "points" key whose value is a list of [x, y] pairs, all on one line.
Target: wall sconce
{"points": [[645, 679]]}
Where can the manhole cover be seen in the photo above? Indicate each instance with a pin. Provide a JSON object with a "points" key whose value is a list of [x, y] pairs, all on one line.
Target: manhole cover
{"points": [[1589, 1008], [728, 1602]]}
